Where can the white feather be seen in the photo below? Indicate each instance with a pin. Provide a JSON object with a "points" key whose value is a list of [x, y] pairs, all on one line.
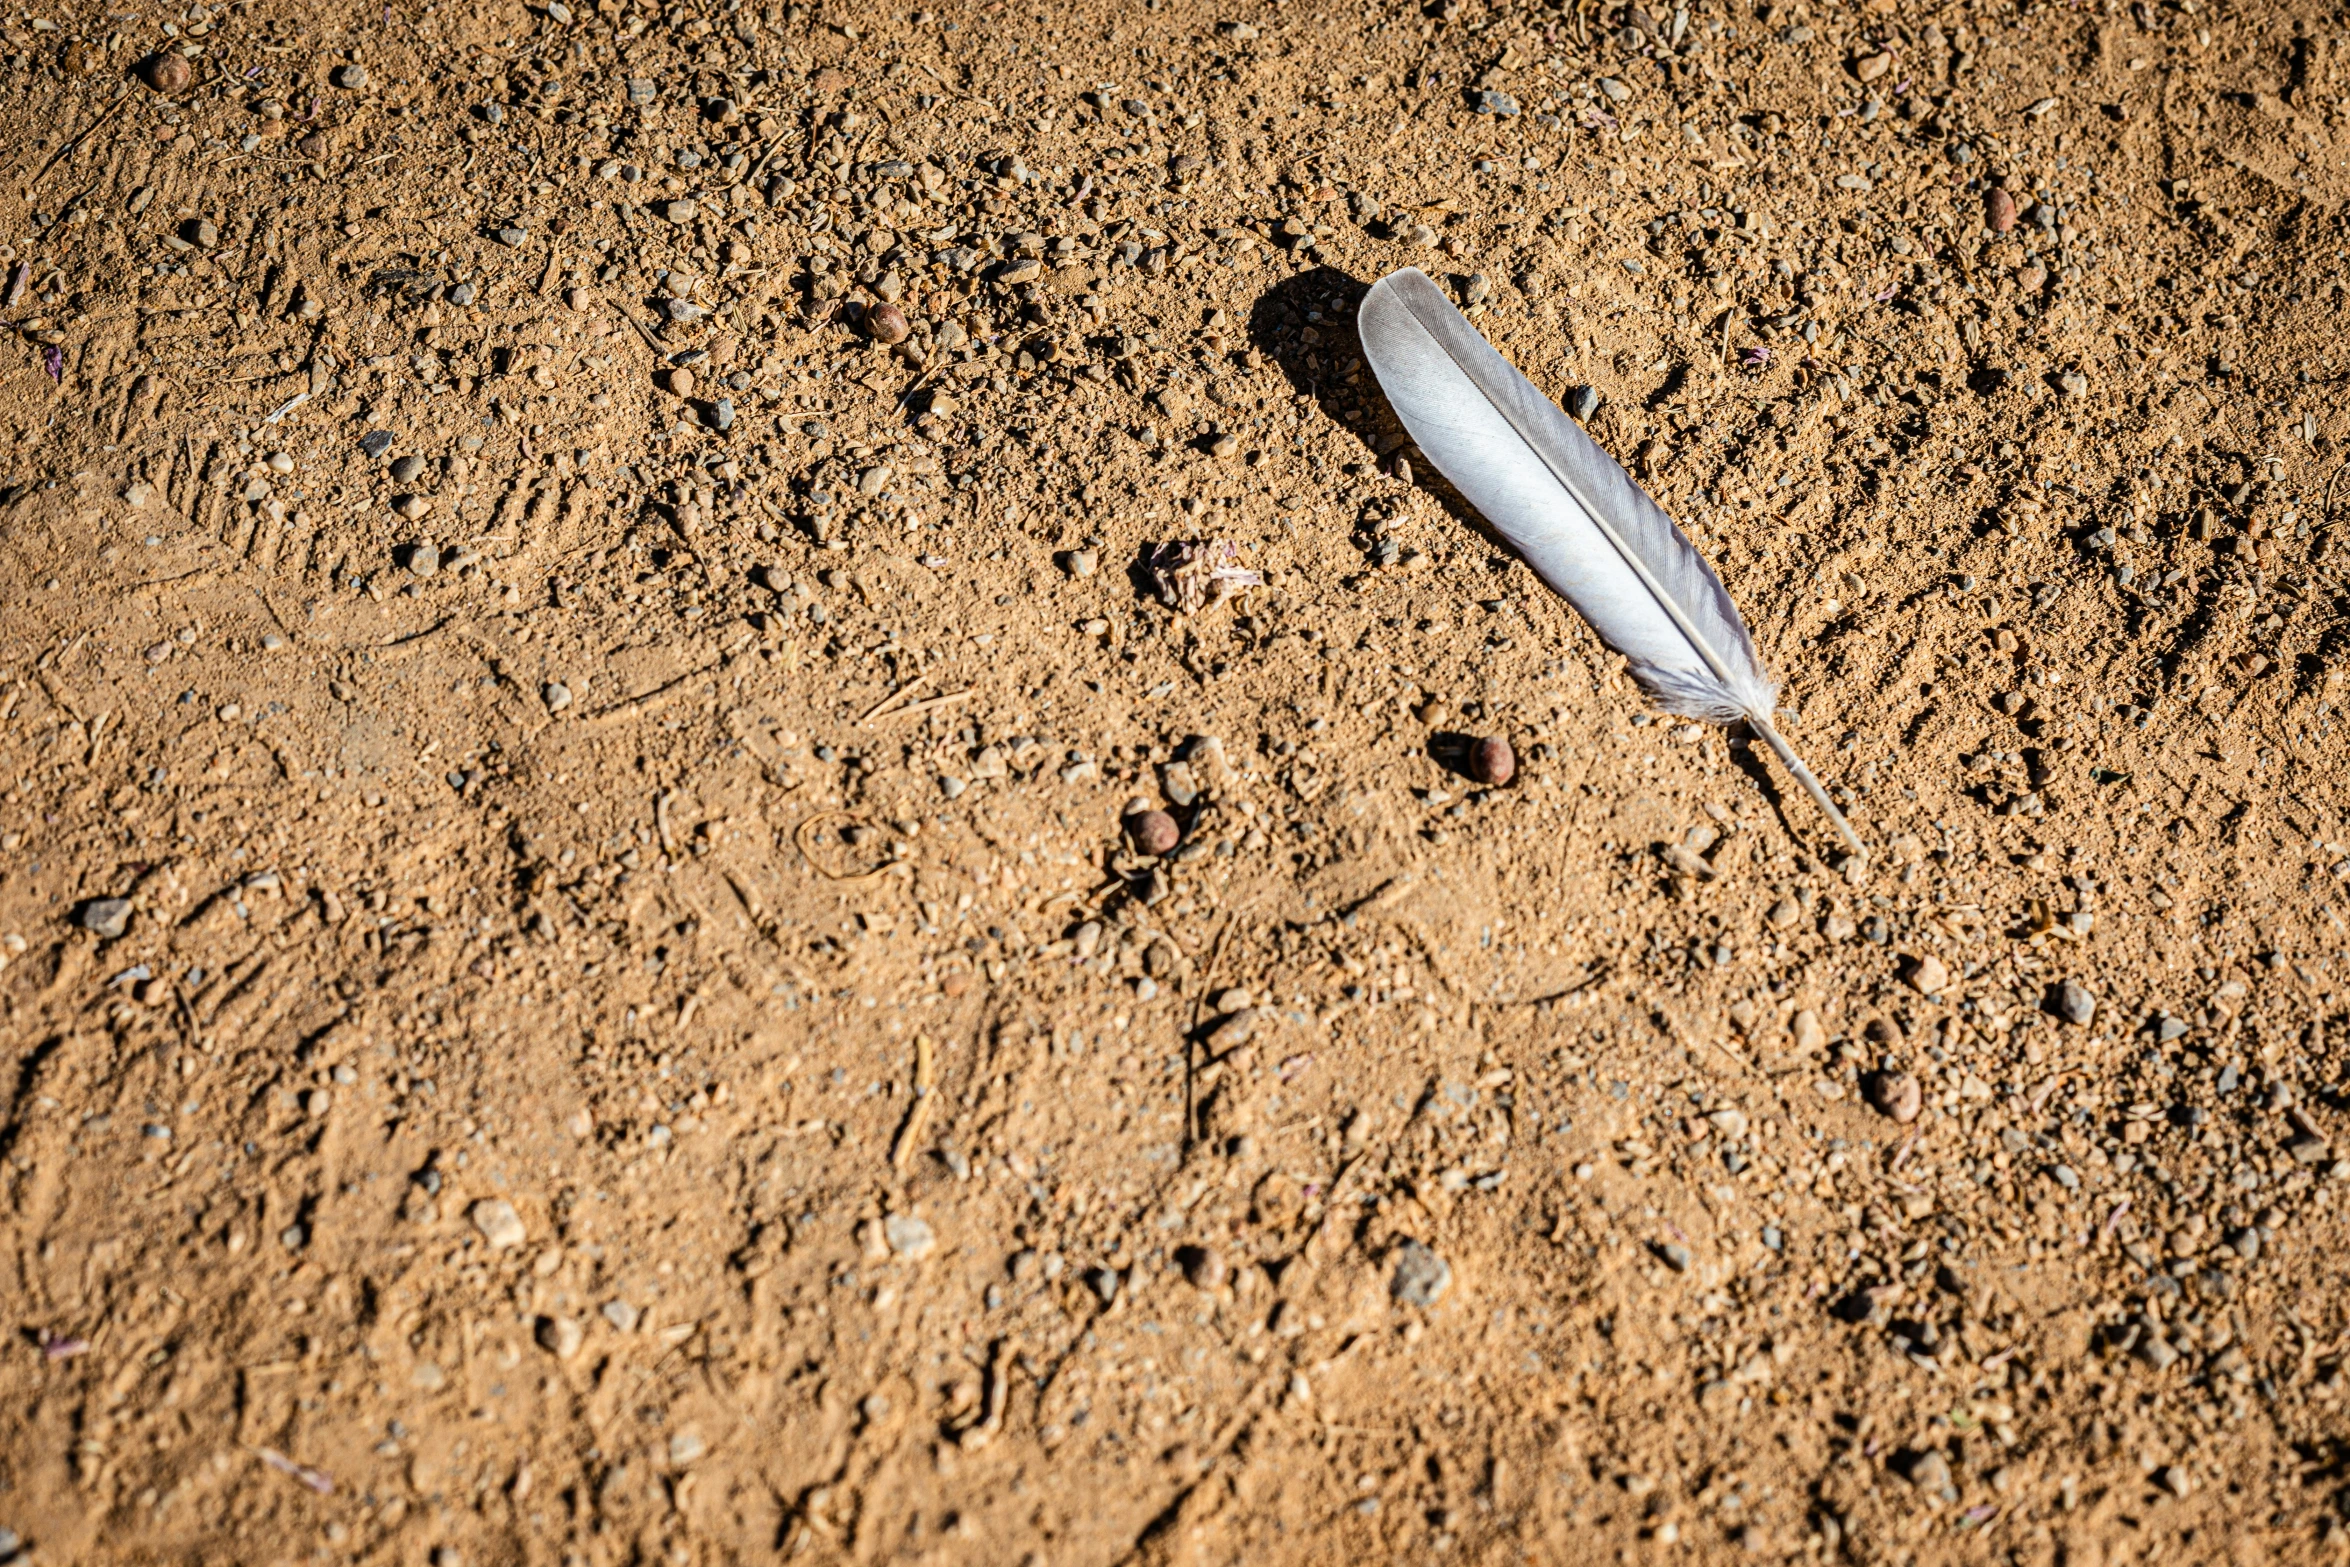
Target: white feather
{"points": [[1579, 520]]}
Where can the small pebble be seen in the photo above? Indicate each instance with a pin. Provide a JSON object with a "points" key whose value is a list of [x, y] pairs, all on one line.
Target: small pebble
{"points": [[1205, 1267], [560, 1336], [887, 324], [621, 1315], [1421, 1277], [1084, 563], [908, 1236], [1583, 402], [405, 469], [2074, 1003], [376, 442], [424, 560], [556, 695], [1999, 210], [1153, 832], [104, 917], [1676, 1257], [499, 1224], [1896, 1095], [1927, 975], [352, 78], [167, 73], [1930, 1472], [1492, 762]]}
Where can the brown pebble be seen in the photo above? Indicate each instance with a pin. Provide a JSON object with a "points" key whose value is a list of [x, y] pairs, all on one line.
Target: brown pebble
{"points": [[1927, 975], [312, 145], [1999, 209], [681, 382], [1153, 832], [887, 324], [167, 73], [1897, 1095], [1491, 761], [1204, 1266]]}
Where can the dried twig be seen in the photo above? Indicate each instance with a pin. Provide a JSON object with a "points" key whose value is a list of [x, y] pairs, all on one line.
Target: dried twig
{"points": [[910, 687], [918, 1114]]}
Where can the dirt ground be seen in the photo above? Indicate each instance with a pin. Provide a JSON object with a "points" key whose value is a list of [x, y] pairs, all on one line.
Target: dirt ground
{"points": [[586, 981]]}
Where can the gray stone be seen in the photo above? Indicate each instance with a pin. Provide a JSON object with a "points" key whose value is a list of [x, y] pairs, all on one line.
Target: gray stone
{"points": [[376, 442], [405, 469], [106, 917], [2074, 1004], [621, 1315], [556, 695], [1421, 1277]]}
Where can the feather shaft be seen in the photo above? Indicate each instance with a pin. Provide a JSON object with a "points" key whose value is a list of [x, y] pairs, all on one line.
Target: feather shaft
{"points": [[1805, 776], [1591, 533]]}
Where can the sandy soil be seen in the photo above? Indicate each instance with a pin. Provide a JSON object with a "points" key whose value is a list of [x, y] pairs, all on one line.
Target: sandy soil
{"points": [[584, 576]]}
